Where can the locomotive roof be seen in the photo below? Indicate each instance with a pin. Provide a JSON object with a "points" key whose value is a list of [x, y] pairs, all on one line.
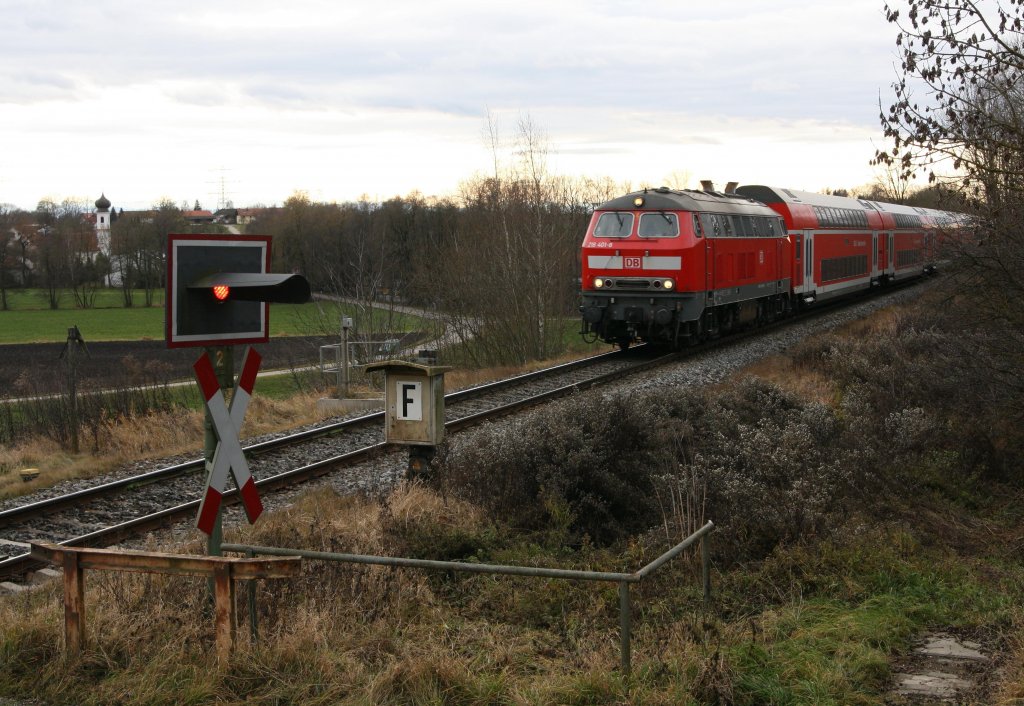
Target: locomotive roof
{"points": [[769, 194], [664, 199]]}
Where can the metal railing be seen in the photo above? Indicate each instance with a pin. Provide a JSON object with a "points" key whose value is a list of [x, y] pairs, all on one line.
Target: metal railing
{"points": [[624, 580]]}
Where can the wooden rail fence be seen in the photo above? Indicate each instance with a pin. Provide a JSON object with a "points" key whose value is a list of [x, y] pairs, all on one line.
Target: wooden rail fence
{"points": [[224, 571]]}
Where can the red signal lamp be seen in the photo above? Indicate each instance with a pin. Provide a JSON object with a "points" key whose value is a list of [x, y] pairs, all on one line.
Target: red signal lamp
{"points": [[221, 292]]}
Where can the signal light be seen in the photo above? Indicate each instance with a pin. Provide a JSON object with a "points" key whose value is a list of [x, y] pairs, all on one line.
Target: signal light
{"points": [[254, 287], [219, 289]]}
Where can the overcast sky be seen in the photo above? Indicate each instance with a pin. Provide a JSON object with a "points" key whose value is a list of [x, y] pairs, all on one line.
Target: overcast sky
{"points": [[144, 99]]}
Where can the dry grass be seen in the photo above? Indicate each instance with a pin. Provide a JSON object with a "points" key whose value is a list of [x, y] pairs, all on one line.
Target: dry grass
{"points": [[127, 439], [124, 440], [880, 322], [811, 385], [460, 379], [780, 370], [54, 464], [361, 635], [340, 634]]}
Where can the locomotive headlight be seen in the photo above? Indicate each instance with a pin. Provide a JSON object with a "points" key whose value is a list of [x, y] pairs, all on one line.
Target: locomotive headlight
{"points": [[668, 284], [638, 201], [598, 282]]}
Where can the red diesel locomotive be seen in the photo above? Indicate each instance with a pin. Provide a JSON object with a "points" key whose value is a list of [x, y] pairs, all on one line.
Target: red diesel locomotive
{"points": [[673, 267]]}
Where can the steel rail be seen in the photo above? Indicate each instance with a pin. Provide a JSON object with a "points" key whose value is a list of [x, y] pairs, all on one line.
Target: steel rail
{"points": [[13, 515], [21, 563]]}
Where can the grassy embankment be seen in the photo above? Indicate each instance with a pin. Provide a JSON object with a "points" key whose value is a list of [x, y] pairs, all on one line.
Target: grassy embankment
{"points": [[858, 506]]}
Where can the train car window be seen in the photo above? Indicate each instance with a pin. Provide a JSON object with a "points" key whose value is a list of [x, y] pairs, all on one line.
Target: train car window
{"points": [[824, 217], [712, 227], [614, 224], [658, 225], [905, 258], [696, 226], [843, 267]]}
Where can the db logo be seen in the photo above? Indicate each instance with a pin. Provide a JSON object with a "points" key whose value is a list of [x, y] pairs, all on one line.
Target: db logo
{"points": [[631, 263]]}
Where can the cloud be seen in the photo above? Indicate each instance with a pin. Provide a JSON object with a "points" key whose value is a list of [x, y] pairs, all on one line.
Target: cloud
{"points": [[201, 84]]}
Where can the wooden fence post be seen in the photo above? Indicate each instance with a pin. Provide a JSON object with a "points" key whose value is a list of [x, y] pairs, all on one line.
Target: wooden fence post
{"points": [[74, 605], [224, 611]]}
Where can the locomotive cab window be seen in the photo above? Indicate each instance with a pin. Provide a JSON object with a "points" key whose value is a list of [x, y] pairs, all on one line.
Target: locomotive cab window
{"points": [[614, 224], [658, 225]]}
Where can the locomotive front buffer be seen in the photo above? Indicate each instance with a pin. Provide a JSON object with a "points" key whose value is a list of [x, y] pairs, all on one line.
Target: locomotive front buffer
{"points": [[413, 409]]}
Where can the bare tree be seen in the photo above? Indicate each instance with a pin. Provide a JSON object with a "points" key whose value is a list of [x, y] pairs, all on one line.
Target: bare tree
{"points": [[678, 179], [128, 243], [7, 250], [891, 184], [958, 114], [509, 284], [84, 267], [165, 218]]}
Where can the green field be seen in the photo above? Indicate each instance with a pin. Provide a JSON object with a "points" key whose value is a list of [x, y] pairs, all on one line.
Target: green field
{"points": [[30, 320]]}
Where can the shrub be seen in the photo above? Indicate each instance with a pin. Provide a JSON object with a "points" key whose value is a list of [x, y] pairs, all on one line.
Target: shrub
{"points": [[763, 466], [584, 467]]}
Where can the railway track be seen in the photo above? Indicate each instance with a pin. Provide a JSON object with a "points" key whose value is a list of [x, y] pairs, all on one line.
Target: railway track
{"points": [[129, 507], [117, 510]]}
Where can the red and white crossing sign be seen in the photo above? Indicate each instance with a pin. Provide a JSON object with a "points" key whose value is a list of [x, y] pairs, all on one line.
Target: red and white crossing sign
{"points": [[228, 455]]}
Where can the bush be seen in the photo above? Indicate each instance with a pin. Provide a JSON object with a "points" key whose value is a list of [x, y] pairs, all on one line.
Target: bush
{"points": [[765, 466], [770, 469], [581, 467]]}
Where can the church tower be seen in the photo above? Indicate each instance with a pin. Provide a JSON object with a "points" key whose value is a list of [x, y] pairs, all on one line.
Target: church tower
{"points": [[103, 224]]}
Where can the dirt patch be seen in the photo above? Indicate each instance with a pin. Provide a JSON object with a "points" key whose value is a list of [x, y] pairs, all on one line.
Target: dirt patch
{"points": [[37, 368]]}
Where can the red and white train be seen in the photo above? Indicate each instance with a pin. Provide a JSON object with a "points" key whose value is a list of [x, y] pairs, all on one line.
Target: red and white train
{"points": [[673, 267]]}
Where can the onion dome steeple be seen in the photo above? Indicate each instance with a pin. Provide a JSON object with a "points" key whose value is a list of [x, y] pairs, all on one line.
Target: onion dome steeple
{"points": [[102, 203]]}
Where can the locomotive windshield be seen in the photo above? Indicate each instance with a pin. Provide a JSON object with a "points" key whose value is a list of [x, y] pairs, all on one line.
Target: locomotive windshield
{"points": [[659, 225], [614, 224]]}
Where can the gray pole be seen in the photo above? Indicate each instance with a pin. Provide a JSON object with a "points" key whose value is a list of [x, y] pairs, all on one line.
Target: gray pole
{"points": [[625, 627], [339, 359], [705, 555], [223, 364], [346, 324], [72, 344]]}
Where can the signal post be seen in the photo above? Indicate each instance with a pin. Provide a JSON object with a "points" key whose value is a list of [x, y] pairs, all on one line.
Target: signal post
{"points": [[219, 291]]}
